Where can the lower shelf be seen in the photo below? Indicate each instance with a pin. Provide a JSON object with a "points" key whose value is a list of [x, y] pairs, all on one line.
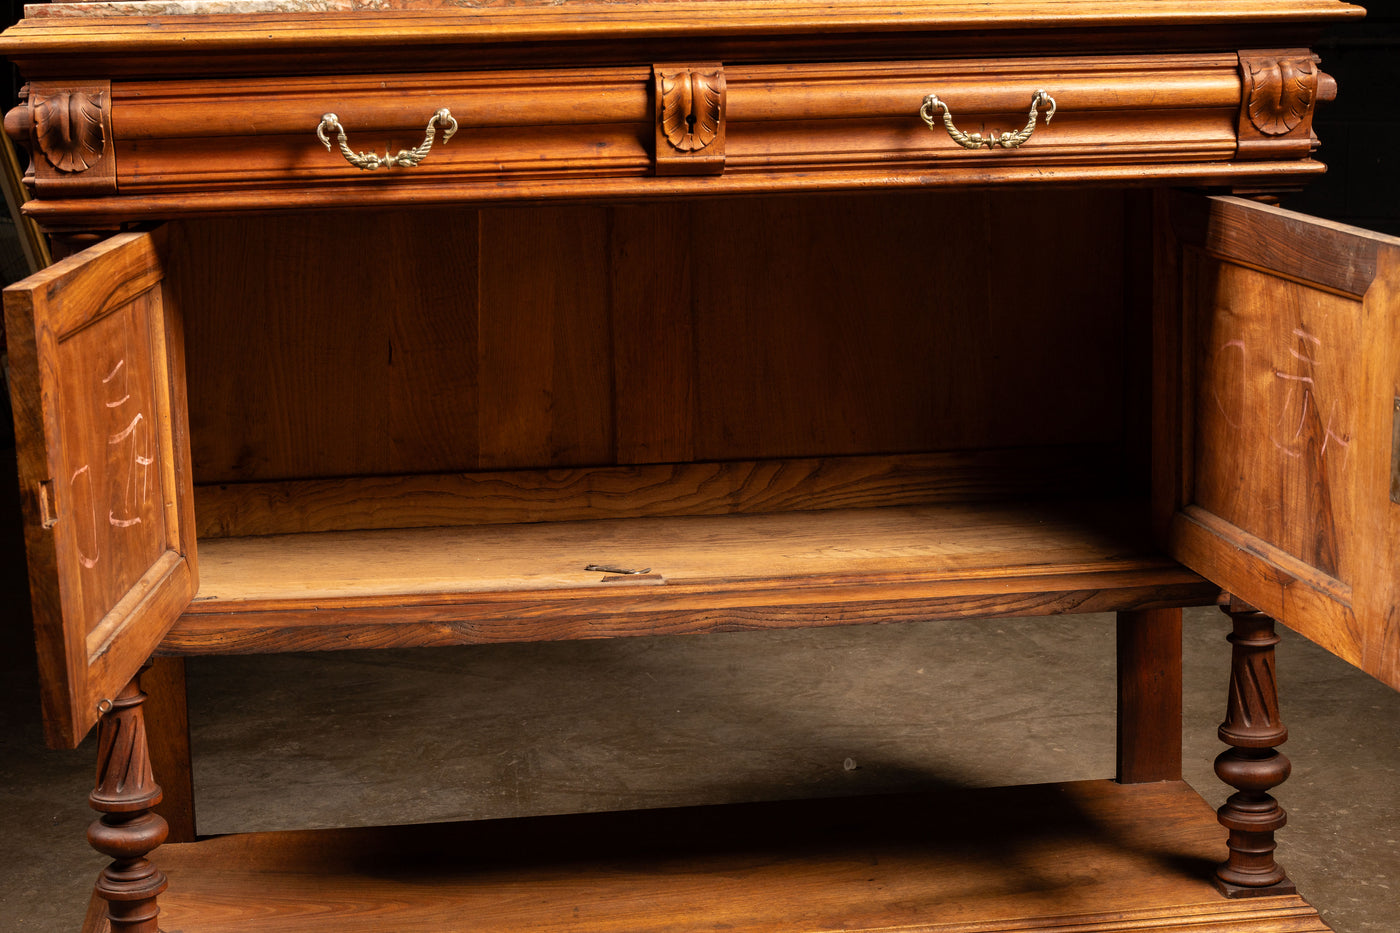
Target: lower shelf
{"points": [[1089, 857], [541, 581]]}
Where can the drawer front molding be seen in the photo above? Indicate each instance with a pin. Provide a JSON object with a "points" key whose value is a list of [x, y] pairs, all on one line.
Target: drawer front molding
{"points": [[685, 128]]}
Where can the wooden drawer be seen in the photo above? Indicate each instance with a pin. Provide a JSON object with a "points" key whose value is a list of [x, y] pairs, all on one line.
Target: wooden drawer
{"points": [[202, 146]]}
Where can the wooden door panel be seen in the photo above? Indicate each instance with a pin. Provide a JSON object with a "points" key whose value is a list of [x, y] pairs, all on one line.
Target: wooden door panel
{"points": [[1289, 348], [97, 378]]}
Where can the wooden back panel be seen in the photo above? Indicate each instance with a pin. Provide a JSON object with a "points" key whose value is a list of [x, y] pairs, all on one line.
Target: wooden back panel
{"points": [[541, 338]]}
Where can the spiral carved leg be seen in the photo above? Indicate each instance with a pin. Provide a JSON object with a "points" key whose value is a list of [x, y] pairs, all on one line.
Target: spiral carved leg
{"points": [[1251, 765], [127, 830]]}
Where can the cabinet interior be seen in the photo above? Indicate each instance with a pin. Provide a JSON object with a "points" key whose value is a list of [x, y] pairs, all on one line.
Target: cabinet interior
{"points": [[768, 394]]}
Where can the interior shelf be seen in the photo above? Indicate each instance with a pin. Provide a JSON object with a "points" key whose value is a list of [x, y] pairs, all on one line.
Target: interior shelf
{"points": [[1084, 856], [526, 582]]}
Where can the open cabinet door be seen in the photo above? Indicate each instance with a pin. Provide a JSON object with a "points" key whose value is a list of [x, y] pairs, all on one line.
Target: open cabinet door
{"points": [[1284, 332], [97, 382]]}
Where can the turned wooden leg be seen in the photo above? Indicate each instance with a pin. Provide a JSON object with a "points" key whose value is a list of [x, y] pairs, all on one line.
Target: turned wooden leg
{"points": [[127, 829], [1252, 728]]}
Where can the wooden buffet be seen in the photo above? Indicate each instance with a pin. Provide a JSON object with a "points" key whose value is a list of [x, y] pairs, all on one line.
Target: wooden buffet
{"points": [[412, 323]]}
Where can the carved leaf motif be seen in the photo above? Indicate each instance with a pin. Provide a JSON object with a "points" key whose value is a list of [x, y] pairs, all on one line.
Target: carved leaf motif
{"points": [[690, 109], [1281, 94], [707, 108], [69, 129]]}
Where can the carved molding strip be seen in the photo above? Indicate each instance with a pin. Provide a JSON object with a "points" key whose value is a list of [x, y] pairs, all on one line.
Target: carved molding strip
{"points": [[690, 119]]}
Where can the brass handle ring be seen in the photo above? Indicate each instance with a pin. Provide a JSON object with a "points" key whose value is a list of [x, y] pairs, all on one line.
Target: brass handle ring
{"points": [[991, 141], [369, 161]]}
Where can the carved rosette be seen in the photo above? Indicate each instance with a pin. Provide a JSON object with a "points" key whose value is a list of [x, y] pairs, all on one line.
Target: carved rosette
{"points": [[690, 119], [1281, 90], [1252, 766], [68, 132], [128, 830]]}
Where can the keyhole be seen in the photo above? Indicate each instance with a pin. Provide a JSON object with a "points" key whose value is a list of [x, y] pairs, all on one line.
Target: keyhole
{"points": [[689, 102]]}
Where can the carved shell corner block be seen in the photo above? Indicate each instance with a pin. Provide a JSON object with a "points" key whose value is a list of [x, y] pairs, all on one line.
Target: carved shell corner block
{"points": [[690, 125], [1281, 93], [69, 128]]}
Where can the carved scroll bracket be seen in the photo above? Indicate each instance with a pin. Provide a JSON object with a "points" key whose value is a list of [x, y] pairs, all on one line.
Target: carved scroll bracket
{"points": [[68, 132], [1281, 91], [690, 119]]}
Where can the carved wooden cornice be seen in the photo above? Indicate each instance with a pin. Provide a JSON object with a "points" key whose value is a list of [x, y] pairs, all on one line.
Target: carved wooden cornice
{"points": [[68, 132], [1280, 92], [690, 119]]}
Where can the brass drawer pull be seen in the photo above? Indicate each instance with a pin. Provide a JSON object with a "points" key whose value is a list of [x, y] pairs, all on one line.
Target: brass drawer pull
{"points": [[370, 161], [977, 140]]}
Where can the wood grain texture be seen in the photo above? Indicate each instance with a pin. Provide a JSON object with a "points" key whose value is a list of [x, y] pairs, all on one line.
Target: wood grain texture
{"points": [[901, 324], [564, 337], [729, 573], [1307, 248], [654, 357], [390, 192], [533, 124], [1291, 363], [650, 609], [659, 489], [523, 127], [1149, 696], [441, 36], [1171, 373], [307, 355], [1275, 404], [1381, 649], [1100, 856], [104, 466], [545, 353], [769, 550], [1321, 608]]}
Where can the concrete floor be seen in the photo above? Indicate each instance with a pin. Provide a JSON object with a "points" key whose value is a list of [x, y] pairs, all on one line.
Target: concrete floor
{"points": [[511, 730]]}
